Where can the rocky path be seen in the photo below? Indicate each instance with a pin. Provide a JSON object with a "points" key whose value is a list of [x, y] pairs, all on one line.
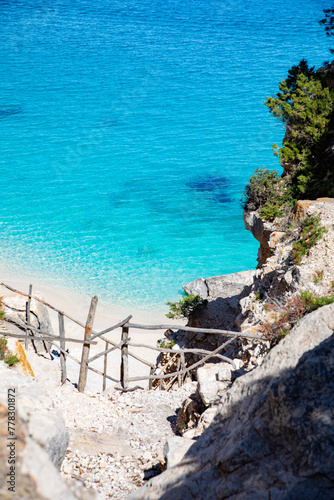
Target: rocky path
{"points": [[117, 439]]}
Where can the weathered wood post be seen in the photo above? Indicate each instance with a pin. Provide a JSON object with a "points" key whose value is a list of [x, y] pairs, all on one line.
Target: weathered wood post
{"points": [[150, 382], [105, 369], [62, 346], [179, 377], [85, 349], [124, 359], [28, 331], [183, 365]]}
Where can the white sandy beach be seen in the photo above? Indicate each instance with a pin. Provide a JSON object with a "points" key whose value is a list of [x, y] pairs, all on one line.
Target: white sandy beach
{"points": [[77, 306]]}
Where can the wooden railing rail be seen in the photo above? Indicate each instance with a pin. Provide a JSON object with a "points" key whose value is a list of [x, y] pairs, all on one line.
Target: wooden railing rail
{"points": [[121, 323], [107, 351], [177, 355], [226, 333], [185, 370], [182, 350], [44, 303], [45, 336]]}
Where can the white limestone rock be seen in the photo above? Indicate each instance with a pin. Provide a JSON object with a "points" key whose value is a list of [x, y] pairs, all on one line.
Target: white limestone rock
{"points": [[175, 449], [197, 287], [213, 378], [273, 433]]}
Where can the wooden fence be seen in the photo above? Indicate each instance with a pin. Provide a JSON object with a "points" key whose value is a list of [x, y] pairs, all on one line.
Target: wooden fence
{"points": [[34, 334]]}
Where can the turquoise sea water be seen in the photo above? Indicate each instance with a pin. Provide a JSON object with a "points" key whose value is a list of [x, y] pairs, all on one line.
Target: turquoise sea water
{"points": [[128, 130]]}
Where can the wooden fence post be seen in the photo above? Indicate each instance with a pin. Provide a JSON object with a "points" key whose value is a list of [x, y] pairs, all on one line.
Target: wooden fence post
{"points": [[85, 349], [28, 332], [62, 345], [183, 364], [150, 382], [105, 369], [179, 377], [124, 359]]}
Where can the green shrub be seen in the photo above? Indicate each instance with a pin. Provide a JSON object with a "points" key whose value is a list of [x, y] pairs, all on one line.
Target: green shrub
{"points": [[5, 355], [287, 316], [311, 232], [185, 307], [318, 277], [269, 193], [313, 302], [305, 104], [11, 360], [3, 344], [2, 313], [270, 211], [168, 344], [259, 189]]}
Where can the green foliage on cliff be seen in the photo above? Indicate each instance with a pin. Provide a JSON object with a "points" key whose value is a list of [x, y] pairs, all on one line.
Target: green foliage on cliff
{"points": [[305, 104], [313, 302], [267, 192], [328, 23], [311, 232], [185, 307], [6, 355], [306, 107]]}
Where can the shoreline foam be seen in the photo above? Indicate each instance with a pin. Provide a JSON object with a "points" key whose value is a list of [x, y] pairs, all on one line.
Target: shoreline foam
{"points": [[77, 304]]}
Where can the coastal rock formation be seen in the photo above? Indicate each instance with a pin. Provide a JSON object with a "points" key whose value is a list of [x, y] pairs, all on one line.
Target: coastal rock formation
{"points": [[279, 281], [212, 380], [273, 433], [223, 294], [262, 231]]}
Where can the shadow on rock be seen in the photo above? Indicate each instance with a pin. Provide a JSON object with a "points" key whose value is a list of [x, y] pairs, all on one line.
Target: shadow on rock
{"points": [[273, 435]]}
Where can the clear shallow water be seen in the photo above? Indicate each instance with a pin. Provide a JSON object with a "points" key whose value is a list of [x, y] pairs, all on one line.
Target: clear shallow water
{"points": [[128, 131]]}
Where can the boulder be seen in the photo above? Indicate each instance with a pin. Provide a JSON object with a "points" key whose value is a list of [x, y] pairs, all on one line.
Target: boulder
{"points": [[212, 379], [197, 287], [190, 413], [229, 285], [175, 448], [223, 294], [273, 435]]}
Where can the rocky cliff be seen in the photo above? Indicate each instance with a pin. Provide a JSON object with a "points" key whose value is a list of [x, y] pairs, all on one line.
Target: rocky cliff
{"points": [[281, 279], [266, 429], [253, 301], [273, 433]]}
